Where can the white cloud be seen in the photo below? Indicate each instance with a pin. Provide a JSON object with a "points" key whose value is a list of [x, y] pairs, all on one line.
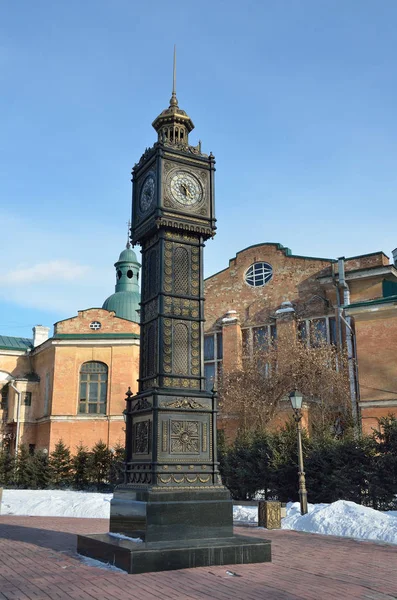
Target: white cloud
{"points": [[60, 271], [56, 270]]}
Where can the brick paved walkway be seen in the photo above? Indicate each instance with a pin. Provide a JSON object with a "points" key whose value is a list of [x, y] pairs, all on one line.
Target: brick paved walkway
{"points": [[38, 561]]}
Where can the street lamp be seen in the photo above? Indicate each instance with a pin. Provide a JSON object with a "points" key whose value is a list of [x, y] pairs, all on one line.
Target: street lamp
{"points": [[296, 403]]}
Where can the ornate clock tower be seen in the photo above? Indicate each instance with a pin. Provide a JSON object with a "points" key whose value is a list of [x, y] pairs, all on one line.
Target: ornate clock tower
{"points": [[173, 492]]}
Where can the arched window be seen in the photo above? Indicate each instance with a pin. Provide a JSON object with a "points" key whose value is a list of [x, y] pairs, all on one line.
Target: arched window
{"points": [[93, 388]]}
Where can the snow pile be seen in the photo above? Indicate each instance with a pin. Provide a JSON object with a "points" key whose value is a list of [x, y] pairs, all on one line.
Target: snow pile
{"points": [[345, 519], [121, 536], [246, 514], [55, 503]]}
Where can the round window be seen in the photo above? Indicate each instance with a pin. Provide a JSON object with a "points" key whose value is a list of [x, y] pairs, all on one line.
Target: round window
{"points": [[259, 274], [95, 325], [119, 274], [130, 274]]}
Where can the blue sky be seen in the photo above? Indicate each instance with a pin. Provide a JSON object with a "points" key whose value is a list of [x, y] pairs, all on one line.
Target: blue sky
{"points": [[296, 99]]}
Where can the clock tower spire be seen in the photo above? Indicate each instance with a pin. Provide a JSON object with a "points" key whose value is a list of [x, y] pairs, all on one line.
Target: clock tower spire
{"points": [[173, 125]]}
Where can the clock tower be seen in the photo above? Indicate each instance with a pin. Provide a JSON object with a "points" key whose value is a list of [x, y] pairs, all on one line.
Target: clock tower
{"points": [[173, 495]]}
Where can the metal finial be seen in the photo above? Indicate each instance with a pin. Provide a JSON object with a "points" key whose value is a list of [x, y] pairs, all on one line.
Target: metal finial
{"points": [[174, 101], [128, 245]]}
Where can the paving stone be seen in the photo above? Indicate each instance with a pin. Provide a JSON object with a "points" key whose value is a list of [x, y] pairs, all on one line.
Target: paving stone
{"points": [[38, 561]]}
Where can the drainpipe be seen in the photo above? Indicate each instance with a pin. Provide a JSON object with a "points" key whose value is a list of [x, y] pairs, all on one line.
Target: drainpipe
{"points": [[12, 384], [338, 321], [349, 342]]}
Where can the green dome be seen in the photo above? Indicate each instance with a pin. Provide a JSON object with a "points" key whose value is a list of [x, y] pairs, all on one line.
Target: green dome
{"points": [[125, 301], [128, 255], [124, 304]]}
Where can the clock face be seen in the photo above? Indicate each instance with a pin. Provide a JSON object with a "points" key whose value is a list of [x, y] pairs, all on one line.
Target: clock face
{"points": [[185, 188], [147, 194]]}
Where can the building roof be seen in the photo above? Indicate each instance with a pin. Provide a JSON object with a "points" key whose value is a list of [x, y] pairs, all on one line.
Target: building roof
{"points": [[126, 298], [15, 343], [388, 299], [125, 304], [128, 255]]}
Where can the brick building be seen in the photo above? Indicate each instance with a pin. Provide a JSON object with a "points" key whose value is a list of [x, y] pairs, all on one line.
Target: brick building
{"points": [[266, 291], [72, 386]]}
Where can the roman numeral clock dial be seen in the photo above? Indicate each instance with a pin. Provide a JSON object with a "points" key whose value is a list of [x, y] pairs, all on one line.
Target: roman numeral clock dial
{"points": [[185, 188]]}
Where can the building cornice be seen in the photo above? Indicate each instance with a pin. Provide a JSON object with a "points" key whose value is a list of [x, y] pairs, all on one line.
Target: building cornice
{"points": [[377, 403], [69, 418], [355, 274], [83, 339], [5, 350]]}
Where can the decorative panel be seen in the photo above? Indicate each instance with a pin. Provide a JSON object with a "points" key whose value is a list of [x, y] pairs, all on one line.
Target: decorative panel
{"points": [[185, 437], [151, 273], [141, 435], [149, 350], [181, 349], [181, 271]]}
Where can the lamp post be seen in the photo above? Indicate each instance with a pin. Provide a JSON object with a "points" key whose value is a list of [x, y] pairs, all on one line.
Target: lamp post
{"points": [[296, 402]]}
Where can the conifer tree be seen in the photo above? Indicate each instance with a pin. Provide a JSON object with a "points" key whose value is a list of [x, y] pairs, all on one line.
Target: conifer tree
{"points": [[7, 468], [116, 474], [385, 474], [81, 468], [61, 465], [100, 464], [25, 477], [42, 469]]}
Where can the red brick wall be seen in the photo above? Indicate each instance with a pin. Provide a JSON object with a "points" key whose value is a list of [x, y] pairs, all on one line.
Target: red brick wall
{"points": [[294, 279]]}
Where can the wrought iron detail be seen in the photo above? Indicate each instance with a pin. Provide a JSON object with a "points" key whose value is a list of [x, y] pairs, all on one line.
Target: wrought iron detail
{"points": [[183, 403], [185, 437], [142, 437], [141, 404], [181, 270], [181, 349]]}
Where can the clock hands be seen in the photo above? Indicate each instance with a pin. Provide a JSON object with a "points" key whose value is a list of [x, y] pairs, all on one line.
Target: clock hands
{"points": [[185, 190]]}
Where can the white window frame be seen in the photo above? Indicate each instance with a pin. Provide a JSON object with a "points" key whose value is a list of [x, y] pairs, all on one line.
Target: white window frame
{"points": [[215, 361]]}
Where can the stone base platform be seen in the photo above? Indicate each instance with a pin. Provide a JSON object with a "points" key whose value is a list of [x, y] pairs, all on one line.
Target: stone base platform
{"points": [[146, 557]]}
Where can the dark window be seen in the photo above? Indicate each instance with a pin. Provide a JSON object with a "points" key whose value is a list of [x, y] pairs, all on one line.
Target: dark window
{"points": [[302, 331], [130, 274], [209, 347], [318, 332], [261, 338], [332, 331], [219, 346], [273, 332], [259, 274], [93, 388], [119, 274], [32, 448], [27, 398], [4, 397]]}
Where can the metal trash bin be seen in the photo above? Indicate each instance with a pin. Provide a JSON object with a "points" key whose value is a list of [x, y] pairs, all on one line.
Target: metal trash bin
{"points": [[269, 514]]}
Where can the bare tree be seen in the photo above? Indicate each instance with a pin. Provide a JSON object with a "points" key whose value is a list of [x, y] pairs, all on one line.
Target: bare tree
{"points": [[253, 392]]}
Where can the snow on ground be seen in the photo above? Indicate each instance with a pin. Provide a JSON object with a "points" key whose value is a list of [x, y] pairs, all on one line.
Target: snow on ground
{"points": [[55, 503], [245, 514], [345, 519], [341, 518]]}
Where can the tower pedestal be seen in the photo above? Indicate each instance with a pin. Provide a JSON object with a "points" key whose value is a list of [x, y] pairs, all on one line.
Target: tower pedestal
{"points": [[159, 515], [179, 530]]}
